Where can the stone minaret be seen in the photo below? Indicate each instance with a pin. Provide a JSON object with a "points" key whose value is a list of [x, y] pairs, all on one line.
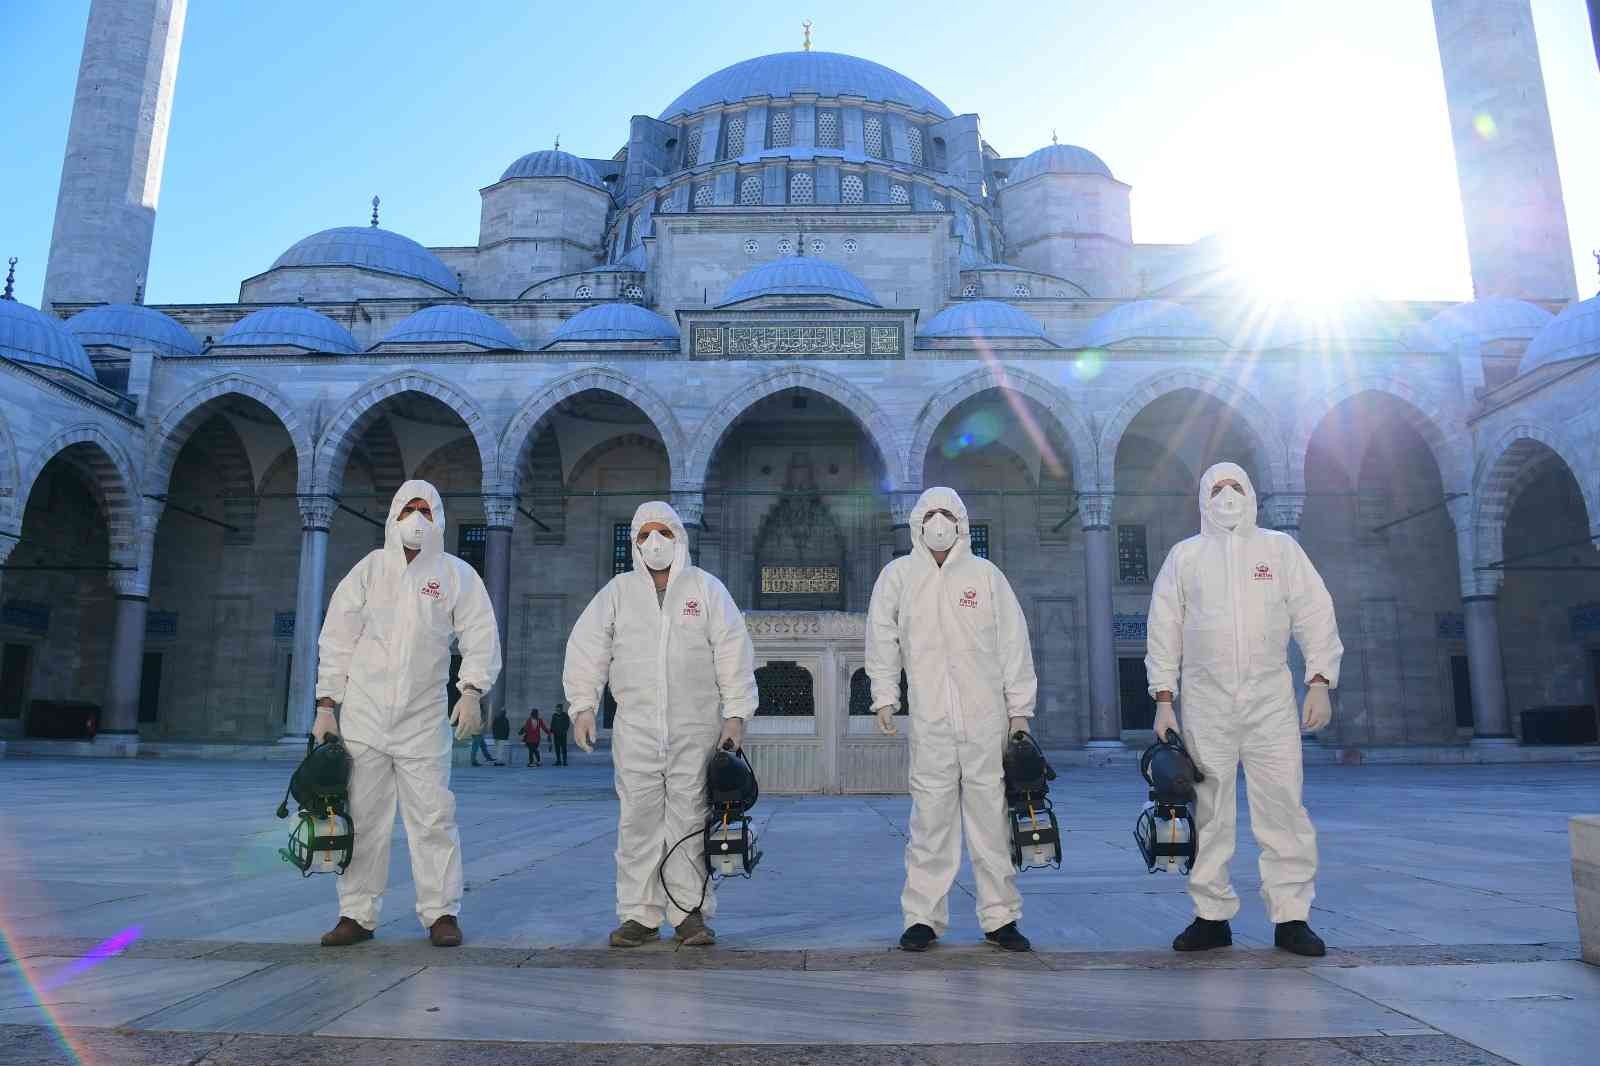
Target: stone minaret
{"points": [[1517, 234], [116, 146]]}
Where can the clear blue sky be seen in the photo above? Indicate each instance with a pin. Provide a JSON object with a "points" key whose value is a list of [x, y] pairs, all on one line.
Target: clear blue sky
{"points": [[1315, 132]]}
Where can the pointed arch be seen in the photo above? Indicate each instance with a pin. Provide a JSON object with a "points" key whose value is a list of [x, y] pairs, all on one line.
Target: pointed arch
{"points": [[999, 378], [12, 491], [1502, 472], [179, 421], [113, 482], [333, 450], [1451, 450]]}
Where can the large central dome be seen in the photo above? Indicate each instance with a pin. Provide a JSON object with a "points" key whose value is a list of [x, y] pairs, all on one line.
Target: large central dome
{"points": [[823, 73]]}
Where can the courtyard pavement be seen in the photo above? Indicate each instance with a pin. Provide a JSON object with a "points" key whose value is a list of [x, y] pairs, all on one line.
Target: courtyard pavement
{"points": [[148, 919]]}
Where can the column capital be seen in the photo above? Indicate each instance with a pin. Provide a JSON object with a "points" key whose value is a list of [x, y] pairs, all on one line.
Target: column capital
{"points": [[499, 510], [316, 510], [1094, 510], [690, 503], [1283, 510]]}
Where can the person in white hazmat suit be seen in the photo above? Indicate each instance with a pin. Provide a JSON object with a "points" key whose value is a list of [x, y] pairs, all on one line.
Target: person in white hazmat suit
{"points": [[669, 640], [1222, 611], [950, 620], [383, 668]]}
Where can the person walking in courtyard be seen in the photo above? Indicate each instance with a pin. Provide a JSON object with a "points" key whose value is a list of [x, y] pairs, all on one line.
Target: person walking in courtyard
{"points": [[532, 730], [669, 640], [950, 620], [383, 670], [559, 724], [1222, 611]]}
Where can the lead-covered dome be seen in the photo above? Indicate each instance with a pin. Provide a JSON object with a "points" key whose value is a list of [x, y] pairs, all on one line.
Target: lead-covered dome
{"points": [[983, 318], [1149, 320], [553, 163], [293, 327], [615, 322], [1573, 334], [1058, 159], [132, 326], [369, 248], [823, 73], [452, 324], [30, 336], [799, 275], [1491, 319]]}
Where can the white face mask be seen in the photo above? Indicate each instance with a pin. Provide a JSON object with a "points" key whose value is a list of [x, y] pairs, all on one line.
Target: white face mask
{"points": [[413, 527], [1227, 507], [939, 533], [658, 551]]}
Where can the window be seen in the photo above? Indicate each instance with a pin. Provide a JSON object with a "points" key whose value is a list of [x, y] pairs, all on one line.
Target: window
{"points": [[872, 133], [750, 191], [861, 694], [1133, 558], [780, 128], [938, 205], [640, 224], [752, 246], [1138, 707], [733, 137], [470, 544], [969, 289], [899, 195], [827, 129], [914, 138], [850, 246], [801, 187], [633, 292], [1019, 289], [850, 189], [664, 205], [980, 539], [818, 246], [704, 195], [584, 292], [691, 148], [621, 548], [785, 689], [786, 247]]}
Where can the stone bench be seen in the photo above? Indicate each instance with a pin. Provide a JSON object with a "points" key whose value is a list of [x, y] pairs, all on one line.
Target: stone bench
{"points": [[1586, 882]]}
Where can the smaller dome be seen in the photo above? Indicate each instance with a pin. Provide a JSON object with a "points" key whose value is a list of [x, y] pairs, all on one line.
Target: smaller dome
{"points": [[1058, 159], [30, 336], [799, 275], [452, 324], [1157, 320], [132, 326], [615, 322], [553, 163], [1493, 319], [983, 318], [370, 248], [295, 327], [1573, 334]]}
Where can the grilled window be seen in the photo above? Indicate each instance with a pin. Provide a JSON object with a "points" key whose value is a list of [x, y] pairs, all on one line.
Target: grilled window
{"points": [[691, 147], [750, 191], [621, 548], [801, 187], [785, 689], [704, 195], [980, 539], [733, 137], [827, 129], [851, 190], [914, 136], [899, 195], [872, 133], [470, 544], [1133, 557]]}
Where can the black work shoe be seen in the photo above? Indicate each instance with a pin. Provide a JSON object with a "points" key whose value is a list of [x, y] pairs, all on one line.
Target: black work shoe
{"points": [[918, 938], [1298, 938], [1204, 934], [1009, 937]]}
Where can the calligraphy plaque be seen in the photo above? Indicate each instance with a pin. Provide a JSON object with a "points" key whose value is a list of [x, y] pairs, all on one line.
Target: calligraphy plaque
{"points": [[799, 580], [708, 340], [830, 341]]}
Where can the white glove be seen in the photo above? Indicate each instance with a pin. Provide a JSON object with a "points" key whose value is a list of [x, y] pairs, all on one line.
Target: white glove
{"points": [[325, 724], [1020, 725], [1317, 711], [732, 729], [467, 714], [583, 730], [886, 724], [1166, 719]]}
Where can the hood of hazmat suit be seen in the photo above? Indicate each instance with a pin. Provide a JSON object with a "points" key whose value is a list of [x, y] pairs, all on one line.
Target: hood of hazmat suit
{"points": [[959, 634], [384, 653], [1222, 612]]}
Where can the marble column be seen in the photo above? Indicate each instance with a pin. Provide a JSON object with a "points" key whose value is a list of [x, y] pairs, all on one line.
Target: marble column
{"points": [[500, 516], [900, 506], [1480, 603], [118, 733], [316, 515], [1105, 717]]}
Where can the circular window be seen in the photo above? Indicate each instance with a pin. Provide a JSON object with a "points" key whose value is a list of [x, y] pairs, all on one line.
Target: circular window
{"points": [[969, 289], [849, 246], [583, 293], [786, 247], [818, 246], [938, 205], [633, 292], [752, 246], [1020, 289]]}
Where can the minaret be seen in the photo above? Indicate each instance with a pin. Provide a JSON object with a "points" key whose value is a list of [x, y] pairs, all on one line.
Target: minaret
{"points": [[1517, 235], [116, 146]]}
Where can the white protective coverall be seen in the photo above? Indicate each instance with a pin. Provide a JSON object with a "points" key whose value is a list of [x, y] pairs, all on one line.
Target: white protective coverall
{"points": [[384, 657], [676, 668], [1221, 613], [959, 633]]}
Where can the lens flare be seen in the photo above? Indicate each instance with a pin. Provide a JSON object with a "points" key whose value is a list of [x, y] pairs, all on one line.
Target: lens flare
{"points": [[1483, 124], [1089, 364], [40, 985], [1019, 407]]}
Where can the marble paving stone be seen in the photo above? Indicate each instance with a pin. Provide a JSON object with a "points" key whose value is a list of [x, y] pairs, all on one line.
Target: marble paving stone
{"points": [[105, 992], [278, 999], [1538, 1013], [863, 1008]]}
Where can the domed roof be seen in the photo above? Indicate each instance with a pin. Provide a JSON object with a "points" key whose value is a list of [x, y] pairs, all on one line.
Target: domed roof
{"points": [[799, 275], [452, 324], [1573, 334], [823, 73], [28, 335], [615, 322], [1492, 319], [982, 318], [1146, 320], [297, 327], [1058, 159], [132, 326], [553, 163], [373, 249]]}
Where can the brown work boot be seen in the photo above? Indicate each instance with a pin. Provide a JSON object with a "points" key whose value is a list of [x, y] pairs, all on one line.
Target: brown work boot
{"points": [[693, 932], [347, 932], [444, 932], [632, 934]]}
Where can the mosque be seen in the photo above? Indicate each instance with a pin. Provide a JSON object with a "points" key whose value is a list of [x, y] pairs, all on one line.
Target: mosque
{"points": [[801, 291]]}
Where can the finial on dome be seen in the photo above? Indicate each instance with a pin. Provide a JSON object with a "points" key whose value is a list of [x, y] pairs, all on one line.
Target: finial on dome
{"points": [[1595, 253], [1053, 136], [11, 279], [558, 142], [375, 202], [805, 45]]}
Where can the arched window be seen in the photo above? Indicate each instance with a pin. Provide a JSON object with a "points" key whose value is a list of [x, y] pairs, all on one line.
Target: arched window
{"points": [[704, 195], [633, 292], [969, 289], [1019, 289], [733, 136], [941, 155], [801, 187], [785, 689], [750, 191], [861, 694], [914, 139], [851, 190], [899, 195], [827, 129], [872, 134], [691, 148], [584, 292], [780, 127]]}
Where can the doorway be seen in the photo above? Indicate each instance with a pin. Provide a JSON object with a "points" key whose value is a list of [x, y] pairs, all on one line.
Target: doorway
{"points": [[1138, 707], [14, 679]]}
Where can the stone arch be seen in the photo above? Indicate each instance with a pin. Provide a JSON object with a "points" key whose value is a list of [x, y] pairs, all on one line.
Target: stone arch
{"points": [[588, 459], [1240, 401], [878, 426], [235, 476], [1514, 453], [1006, 379], [1450, 453], [11, 489], [112, 481], [333, 450], [520, 433], [182, 418]]}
